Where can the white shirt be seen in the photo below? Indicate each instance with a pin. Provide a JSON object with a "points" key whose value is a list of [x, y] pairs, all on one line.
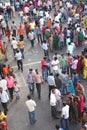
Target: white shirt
{"points": [[51, 80], [57, 94], [4, 97], [30, 105], [70, 48], [14, 44], [53, 100], [54, 64], [31, 35], [26, 9], [3, 84], [41, 21], [18, 56], [45, 46], [65, 112]]}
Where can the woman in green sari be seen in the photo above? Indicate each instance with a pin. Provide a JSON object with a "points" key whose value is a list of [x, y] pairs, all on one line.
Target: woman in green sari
{"points": [[55, 41], [80, 37]]}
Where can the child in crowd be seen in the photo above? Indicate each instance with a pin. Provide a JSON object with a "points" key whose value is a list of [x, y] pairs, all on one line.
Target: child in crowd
{"points": [[16, 90]]}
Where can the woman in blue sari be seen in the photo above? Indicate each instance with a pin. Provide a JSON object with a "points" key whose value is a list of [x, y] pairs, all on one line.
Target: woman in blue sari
{"points": [[70, 87]]}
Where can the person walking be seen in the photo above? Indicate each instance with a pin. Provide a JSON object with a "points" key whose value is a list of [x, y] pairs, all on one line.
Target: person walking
{"points": [[31, 80], [10, 85], [31, 36], [38, 81], [14, 45], [18, 57], [21, 47], [65, 116], [4, 100], [31, 105]]}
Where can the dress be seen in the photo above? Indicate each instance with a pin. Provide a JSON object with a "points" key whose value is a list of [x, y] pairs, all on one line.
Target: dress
{"points": [[55, 41]]}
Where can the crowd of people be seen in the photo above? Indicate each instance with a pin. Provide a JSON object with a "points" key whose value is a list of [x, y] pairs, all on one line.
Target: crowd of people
{"points": [[53, 25]]}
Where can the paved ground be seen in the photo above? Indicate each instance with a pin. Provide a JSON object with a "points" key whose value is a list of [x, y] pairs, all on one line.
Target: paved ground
{"points": [[17, 115]]}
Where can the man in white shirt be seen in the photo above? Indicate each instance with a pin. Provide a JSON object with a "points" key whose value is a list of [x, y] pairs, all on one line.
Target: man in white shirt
{"points": [[4, 100], [31, 105], [18, 57], [51, 82], [14, 45], [55, 65], [45, 48], [53, 102], [31, 36], [59, 99], [3, 84], [70, 48], [65, 116]]}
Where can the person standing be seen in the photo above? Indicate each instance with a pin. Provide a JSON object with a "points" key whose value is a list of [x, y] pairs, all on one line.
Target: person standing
{"points": [[4, 100], [31, 80], [14, 45], [38, 81], [21, 47], [65, 116], [14, 28], [31, 104], [31, 36], [10, 85], [55, 65], [18, 57], [51, 82], [53, 103]]}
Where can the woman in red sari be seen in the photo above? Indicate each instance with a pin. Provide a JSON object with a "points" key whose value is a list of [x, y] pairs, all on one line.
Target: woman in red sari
{"points": [[81, 105], [4, 124]]}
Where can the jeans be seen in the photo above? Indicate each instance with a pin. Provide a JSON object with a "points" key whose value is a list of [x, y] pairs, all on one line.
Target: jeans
{"points": [[32, 43], [32, 117], [44, 74], [20, 65], [39, 37], [64, 124], [11, 92], [22, 52], [55, 72], [4, 105], [31, 88], [64, 69], [38, 86], [61, 44], [64, 88], [14, 51], [21, 19]]}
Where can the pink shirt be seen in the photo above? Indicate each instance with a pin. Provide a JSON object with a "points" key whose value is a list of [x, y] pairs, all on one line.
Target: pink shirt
{"points": [[10, 82], [74, 64]]}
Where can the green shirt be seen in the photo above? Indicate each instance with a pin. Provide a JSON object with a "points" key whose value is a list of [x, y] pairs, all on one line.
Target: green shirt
{"points": [[63, 61]]}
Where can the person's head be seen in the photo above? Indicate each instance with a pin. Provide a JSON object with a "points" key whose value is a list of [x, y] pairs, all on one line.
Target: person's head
{"points": [[51, 74], [53, 90], [17, 51], [44, 58], [55, 58], [57, 127], [36, 70], [15, 82], [8, 75], [13, 22], [30, 70], [28, 97], [62, 55], [57, 75]]}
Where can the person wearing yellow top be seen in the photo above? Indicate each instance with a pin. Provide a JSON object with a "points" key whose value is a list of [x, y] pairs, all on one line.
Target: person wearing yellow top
{"points": [[32, 25], [21, 47], [85, 67], [2, 115]]}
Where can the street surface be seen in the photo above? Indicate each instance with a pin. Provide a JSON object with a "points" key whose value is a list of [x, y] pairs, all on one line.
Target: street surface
{"points": [[17, 115]]}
